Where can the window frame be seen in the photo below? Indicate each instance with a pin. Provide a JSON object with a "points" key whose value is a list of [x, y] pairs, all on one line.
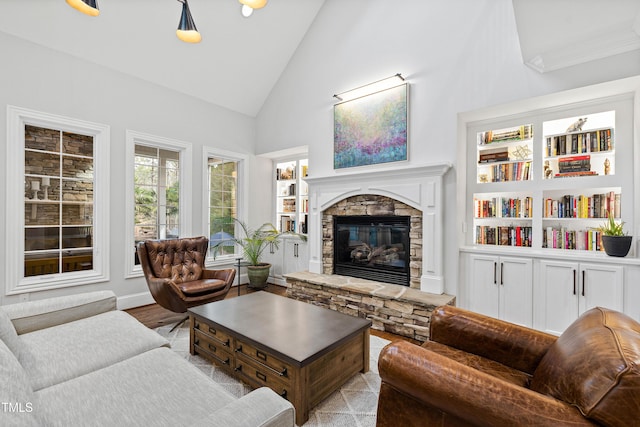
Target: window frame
{"points": [[16, 283], [185, 149], [242, 197]]}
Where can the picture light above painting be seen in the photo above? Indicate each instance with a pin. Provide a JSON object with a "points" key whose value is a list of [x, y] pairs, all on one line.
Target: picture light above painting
{"points": [[371, 128]]}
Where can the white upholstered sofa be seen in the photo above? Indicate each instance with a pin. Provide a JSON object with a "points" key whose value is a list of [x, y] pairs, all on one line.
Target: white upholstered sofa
{"points": [[78, 361]]}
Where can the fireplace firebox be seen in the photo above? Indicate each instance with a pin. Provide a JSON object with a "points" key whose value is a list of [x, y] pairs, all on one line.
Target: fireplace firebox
{"points": [[372, 247]]}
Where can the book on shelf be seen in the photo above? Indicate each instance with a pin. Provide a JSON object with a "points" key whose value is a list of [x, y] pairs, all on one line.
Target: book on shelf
{"points": [[288, 205], [287, 224], [575, 173], [563, 238], [579, 142], [516, 171], [286, 173], [512, 134], [494, 157], [504, 235], [594, 206]]}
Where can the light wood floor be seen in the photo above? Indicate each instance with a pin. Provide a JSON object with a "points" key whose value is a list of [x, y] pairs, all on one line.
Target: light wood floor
{"points": [[154, 316]]}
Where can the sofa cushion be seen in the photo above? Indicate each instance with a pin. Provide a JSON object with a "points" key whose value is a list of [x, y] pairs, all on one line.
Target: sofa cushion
{"points": [[154, 388], [595, 365], [9, 335], [63, 352], [19, 406], [480, 363]]}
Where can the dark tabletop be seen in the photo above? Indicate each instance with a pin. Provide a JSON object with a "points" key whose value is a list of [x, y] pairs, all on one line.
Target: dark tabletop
{"points": [[299, 332]]}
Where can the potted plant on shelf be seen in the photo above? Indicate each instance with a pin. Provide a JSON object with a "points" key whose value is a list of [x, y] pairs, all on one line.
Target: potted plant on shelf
{"points": [[614, 240], [253, 242]]}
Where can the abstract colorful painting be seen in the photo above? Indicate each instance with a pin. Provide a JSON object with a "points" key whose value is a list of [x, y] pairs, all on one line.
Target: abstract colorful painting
{"points": [[371, 129]]}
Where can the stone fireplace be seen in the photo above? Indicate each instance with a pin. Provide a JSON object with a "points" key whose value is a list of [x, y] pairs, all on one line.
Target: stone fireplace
{"points": [[416, 192]]}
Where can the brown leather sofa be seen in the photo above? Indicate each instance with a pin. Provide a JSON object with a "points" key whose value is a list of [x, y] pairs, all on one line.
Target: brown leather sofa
{"points": [[480, 371], [176, 276]]}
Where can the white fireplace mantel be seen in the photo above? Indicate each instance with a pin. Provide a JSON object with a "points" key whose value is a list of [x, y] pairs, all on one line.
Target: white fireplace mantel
{"points": [[418, 186]]}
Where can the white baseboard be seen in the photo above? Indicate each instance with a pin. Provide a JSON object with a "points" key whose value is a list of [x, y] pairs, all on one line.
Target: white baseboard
{"points": [[135, 300]]}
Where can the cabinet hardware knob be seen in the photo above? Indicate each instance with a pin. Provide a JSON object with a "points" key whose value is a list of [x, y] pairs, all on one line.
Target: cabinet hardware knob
{"points": [[261, 376], [284, 394], [574, 281], [502, 273], [583, 282], [239, 349], [238, 368]]}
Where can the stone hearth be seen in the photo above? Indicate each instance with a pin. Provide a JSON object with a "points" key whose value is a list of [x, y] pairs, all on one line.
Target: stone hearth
{"points": [[392, 308]]}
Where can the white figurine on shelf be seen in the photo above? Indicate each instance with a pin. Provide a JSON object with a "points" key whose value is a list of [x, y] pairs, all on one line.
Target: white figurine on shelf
{"points": [[577, 126]]}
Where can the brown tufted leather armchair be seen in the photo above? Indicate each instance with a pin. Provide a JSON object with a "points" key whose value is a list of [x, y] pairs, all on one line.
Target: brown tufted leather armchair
{"points": [[176, 276], [480, 371]]}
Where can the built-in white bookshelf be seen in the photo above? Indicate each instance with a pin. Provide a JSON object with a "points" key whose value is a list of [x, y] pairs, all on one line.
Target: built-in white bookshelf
{"points": [[292, 199]]}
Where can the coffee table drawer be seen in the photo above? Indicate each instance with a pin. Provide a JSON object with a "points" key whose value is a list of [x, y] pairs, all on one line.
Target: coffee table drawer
{"points": [[212, 331], [261, 376], [264, 359], [217, 350]]}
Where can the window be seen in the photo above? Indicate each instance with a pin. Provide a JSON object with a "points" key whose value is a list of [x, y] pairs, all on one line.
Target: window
{"points": [[224, 179], [156, 181], [156, 193], [57, 238]]}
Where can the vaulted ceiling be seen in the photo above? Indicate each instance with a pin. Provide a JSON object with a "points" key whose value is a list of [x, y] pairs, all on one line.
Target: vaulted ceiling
{"points": [[235, 66], [240, 59]]}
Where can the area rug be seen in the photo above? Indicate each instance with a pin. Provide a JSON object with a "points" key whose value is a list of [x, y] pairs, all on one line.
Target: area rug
{"points": [[353, 405]]}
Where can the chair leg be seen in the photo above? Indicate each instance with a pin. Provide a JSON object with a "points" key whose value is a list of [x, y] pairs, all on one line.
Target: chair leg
{"points": [[179, 324]]}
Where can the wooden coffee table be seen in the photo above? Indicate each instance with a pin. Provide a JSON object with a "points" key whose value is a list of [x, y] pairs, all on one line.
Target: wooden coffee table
{"points": [[301, 351]]}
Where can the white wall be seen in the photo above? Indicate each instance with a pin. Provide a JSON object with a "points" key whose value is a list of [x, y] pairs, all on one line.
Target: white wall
{"points": [[458, 56], [41, 79]]}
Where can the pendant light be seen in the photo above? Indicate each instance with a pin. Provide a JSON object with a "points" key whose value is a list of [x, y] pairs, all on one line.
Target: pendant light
{"points": [[249, 5], [187, 31], [88, 7]]}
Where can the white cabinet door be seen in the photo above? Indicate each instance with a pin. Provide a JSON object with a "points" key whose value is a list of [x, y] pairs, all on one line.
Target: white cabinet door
{"points": [[556, 303], [273, 256], [602, 286], [516, 288], [482, 283], [295, 256]]}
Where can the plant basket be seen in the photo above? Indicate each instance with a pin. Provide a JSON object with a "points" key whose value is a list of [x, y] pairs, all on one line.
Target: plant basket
{"points": [[617, 245]]}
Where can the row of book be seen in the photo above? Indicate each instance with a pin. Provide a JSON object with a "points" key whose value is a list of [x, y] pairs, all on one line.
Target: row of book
{"points": [[594, 206], [516, 171], [511, 134], [286, 173], [577, 143], [287, 223], [289, 205], [581, 240], [492, 156], [504, 207], [503, 235]]}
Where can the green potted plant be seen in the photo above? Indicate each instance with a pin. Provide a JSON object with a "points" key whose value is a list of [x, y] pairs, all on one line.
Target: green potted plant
{"points": [[614, 239], [253, 242]]}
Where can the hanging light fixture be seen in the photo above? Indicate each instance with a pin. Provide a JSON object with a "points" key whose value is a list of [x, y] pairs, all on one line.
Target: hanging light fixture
{"points": [[249, 5], [88, 7], [187, 31], [370, 88]]}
